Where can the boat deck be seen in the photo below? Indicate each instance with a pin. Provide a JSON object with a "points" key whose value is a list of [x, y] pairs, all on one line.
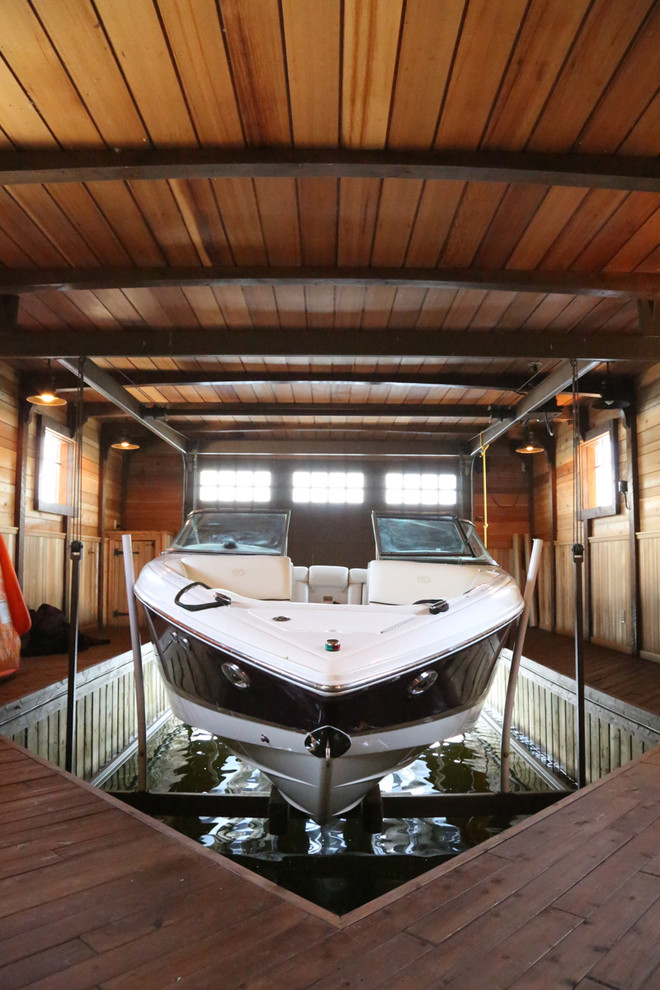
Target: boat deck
{"points": [[94, 894]]}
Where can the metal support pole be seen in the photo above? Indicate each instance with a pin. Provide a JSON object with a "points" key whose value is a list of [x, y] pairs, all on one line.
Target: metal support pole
{"points": [[129, 573], [578, 559], [69, 757], [528, 598]]}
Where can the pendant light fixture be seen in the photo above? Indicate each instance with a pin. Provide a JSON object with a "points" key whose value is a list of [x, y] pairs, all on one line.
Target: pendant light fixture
{"points": [[125, 444], [47, 396], [530, 444], [610, 398]]}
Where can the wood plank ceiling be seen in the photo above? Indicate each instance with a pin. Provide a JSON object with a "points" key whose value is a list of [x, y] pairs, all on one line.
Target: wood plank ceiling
{"points": [[333, 203]]}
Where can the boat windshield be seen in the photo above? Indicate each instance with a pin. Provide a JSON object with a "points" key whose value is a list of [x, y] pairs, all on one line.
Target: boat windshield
{"points": [[427, 537], [234, 531]]}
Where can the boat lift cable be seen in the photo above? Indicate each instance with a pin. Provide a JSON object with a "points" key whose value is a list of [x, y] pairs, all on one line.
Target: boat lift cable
{"points": [[483, 464], [75, 549], [578, 560]]}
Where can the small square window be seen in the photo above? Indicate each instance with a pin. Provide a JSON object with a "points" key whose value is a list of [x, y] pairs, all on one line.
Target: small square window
{"points": [[225, 486], [328, 487], [413, 488]]}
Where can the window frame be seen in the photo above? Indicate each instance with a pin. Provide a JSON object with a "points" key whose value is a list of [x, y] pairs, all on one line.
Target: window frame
{"points": [[421, 505], [329, 503], [611, 508], [42, 504], [226, 503]]}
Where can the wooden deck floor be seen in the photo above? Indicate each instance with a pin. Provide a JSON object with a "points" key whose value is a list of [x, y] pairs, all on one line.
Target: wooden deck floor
{"points": [[627, 678], [35, 673], [92, 894]]}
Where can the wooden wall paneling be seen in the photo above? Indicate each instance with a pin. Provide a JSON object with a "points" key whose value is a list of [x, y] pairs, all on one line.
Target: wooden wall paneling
{"points": [[20, 496], [649, 573], [564, 572], [632, 504], [44, 567]]}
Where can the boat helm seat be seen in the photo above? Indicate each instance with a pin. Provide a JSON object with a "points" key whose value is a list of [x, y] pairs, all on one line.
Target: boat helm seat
{"points": [[404, 582], [253, 575]]}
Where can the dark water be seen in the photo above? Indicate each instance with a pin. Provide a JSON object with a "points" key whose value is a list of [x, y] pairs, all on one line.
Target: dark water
{"points": [[337, 866]]}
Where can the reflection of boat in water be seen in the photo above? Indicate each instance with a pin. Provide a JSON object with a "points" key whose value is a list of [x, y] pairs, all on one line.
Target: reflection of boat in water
{"points": [[327, 698]]}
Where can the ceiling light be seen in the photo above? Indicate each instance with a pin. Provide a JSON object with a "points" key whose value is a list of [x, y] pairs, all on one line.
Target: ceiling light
{"points": [[610, 398], [530, 444], [46, 396], [125, 444]]}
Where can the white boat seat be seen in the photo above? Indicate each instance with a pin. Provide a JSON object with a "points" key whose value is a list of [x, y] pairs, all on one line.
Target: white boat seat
{"points": [[300, 585], [328, 583], [253, 575], [403, 582], [357, 586]]}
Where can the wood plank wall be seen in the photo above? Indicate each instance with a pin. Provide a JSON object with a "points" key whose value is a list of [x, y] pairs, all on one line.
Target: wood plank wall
{"points": [[46, 550], [544, 711], [105, 713]]}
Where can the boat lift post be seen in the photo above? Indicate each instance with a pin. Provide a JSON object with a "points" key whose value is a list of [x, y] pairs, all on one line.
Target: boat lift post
{"points": [[528, 598], [129, 573]]}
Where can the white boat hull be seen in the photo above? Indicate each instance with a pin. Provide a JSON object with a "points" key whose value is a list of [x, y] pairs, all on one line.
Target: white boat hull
{"points": [[321, 788]]}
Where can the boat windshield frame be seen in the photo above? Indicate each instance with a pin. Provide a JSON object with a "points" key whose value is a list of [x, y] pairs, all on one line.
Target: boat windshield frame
{"points": [[229, 533], [468, 548]]}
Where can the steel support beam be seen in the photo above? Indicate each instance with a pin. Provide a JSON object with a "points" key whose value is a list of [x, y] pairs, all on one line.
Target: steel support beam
{"points": [[627, 285], [586, 171], [558, 381], [339, 344], [105, 385]]}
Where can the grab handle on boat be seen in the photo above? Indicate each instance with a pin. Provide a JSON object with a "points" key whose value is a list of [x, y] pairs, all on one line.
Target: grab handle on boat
{"points": [[219, 602], [435, 604]]}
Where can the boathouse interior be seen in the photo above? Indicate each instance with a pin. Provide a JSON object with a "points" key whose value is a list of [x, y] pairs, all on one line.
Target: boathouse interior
{"points": [[336, 256]]}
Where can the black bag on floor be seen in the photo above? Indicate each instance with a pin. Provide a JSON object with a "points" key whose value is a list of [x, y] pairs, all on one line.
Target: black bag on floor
{"points": [[50, 634]]}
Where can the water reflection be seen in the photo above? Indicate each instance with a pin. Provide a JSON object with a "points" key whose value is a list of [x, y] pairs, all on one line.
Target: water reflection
{"points": [[337, 865]]}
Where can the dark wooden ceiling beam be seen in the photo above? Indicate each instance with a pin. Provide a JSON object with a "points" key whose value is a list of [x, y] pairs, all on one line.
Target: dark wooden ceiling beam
{"points": [[590, 171], [627, 285], [337, 344], [105, 410]]}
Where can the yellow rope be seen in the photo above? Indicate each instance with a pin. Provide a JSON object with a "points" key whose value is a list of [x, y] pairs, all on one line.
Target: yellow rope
{"points": [[483, 463]]}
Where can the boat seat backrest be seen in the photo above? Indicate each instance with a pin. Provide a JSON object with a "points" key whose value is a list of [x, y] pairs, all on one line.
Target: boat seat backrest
{"points": [[403, 582], [253, 575], [357, 586], [300, 584], [328, 583]]}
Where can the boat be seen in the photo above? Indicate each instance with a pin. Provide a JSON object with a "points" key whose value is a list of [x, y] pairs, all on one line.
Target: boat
{"points": [[327, 678]]}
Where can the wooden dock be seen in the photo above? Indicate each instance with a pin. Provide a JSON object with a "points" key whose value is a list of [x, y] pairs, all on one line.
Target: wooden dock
{"points": [[94, 894]]}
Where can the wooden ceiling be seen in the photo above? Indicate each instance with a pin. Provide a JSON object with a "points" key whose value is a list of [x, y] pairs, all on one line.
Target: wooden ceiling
{"points": [[264, 217]]}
